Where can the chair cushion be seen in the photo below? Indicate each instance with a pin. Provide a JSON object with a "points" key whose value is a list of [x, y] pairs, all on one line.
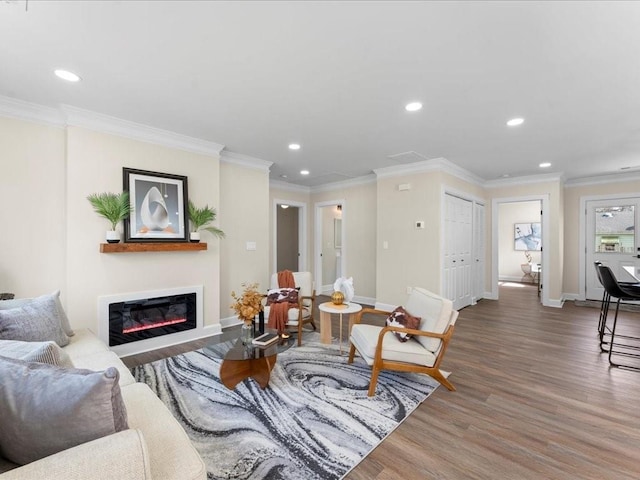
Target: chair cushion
{"points": [[435, 313], [292, 315], [365, 339], [303, 280], [401, 318]]}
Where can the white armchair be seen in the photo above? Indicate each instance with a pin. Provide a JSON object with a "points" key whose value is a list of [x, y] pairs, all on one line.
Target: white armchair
{"points": [[422, 353], [303, 313]]}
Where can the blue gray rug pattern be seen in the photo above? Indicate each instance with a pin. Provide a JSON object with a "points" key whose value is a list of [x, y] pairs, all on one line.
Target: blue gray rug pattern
{"points": [[314, 421]]}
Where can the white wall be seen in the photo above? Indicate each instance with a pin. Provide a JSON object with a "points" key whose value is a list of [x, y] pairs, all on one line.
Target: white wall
{"points": [[32, 213], [510, 259], [94, 164], [245, 217]]}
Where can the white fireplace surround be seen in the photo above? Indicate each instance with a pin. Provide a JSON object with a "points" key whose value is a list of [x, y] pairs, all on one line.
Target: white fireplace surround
{"points": [[150, 343]]}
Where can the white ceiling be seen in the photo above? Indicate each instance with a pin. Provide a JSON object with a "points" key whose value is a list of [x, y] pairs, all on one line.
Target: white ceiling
{"points": [[335, 76]]}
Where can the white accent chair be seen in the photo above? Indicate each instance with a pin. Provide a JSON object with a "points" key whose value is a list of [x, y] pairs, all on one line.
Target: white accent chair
{"points": [[422, 353], [303, 314]]}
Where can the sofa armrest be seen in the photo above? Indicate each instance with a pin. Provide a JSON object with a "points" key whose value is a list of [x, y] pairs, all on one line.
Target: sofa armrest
{"points": [[122, 455]]}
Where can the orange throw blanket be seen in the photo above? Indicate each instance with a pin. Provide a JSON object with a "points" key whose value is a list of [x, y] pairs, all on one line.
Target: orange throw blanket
{"points": [[279, 312]]}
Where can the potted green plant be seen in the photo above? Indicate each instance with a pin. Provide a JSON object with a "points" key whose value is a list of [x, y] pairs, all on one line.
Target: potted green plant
{"points": [[199, 219], [115, 207]]}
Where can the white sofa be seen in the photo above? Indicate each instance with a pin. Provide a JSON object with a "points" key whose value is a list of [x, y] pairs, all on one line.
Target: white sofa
{"points": [[154, 447]]}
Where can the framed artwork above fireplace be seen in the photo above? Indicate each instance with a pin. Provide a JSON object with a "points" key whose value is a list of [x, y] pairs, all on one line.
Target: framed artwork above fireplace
{"points": [[158, 206]]}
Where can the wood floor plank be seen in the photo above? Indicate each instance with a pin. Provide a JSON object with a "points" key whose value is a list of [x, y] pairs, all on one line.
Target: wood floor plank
{"points": [[535, 399]]}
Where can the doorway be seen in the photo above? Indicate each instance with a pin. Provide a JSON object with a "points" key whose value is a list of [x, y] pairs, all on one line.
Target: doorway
{"points": [[289, 236], [330, 244], [515, 245]]}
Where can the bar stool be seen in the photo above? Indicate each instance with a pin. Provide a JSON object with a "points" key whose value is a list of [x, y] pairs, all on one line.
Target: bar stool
{"points": [[628, 292]]}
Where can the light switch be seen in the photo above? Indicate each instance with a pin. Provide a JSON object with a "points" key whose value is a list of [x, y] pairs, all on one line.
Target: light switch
{"points": [[385, 245], [251, 245]]}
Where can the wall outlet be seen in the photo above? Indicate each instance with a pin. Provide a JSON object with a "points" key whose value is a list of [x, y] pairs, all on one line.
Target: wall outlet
{"points": [[408, 290], [251, 245]]}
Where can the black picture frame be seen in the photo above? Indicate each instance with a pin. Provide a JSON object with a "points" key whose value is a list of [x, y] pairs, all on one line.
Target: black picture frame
{"points": [[158, 206]]}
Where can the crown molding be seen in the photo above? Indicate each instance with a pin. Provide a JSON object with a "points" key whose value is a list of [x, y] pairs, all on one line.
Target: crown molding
{"points": [[245, 161], [603, 179], [78, 117], [342, 184], [526, 180], [21, 110], [432, 165]]}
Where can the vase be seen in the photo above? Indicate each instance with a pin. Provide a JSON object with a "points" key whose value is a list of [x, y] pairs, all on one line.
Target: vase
{"points": [[337, 298], [194, 237], [112, 236], [247, 332]]}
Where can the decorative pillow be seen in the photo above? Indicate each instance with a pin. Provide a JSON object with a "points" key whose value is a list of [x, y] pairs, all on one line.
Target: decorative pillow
{"points": [[62, 316], [42, 352], [281, 295], [401, 318], [36, 321], [47, 409]]}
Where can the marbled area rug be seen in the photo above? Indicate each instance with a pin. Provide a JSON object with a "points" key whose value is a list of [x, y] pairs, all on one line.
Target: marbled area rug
{"points": [[313, 421]]}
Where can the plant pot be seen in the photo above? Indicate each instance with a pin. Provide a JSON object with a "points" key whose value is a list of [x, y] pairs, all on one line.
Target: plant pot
{"points": [[113, 236], [194, 237]]}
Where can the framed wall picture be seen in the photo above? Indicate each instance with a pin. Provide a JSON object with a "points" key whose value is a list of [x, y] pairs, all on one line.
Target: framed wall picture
{"points": [[528, 236], [158, 207]]}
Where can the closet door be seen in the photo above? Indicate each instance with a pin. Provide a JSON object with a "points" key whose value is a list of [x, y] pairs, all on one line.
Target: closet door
{"points": [[458, 241], [478, 251]]}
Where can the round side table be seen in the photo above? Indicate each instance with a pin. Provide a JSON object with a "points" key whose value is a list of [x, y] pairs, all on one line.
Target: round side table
{"points": [[326, 309]]}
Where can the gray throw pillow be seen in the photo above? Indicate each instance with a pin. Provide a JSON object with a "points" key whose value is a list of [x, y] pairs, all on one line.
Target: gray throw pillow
{"points": [[47, 409], [36, 321], [43, 352], [62, 316]]}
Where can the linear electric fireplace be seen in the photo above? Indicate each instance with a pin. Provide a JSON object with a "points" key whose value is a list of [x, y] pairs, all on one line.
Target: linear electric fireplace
{"points": [[140, 316], [151, 317]]}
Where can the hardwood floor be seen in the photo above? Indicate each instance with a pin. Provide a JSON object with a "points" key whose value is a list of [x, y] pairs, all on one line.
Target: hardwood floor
{"points": [[535, 399]]}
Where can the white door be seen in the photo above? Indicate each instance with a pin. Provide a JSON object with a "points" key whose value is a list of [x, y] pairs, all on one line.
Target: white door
{"points": [[458, 241], [478, 252], [611, 238]]}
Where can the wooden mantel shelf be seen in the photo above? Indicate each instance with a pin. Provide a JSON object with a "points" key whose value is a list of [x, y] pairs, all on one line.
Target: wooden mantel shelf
{"points": [[152, 247]]}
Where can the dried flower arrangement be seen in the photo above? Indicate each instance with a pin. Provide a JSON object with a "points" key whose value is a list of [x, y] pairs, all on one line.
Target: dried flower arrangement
{"points": [[249, 304]]}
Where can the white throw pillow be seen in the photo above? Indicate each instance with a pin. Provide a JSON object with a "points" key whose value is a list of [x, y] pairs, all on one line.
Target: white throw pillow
{"points": [[42, 352]]}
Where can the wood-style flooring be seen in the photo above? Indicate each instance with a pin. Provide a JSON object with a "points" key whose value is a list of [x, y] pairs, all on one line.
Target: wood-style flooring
{"points": [[535, 399]]}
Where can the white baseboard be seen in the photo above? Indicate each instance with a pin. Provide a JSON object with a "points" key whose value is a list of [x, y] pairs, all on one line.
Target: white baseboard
{"points": [[364, 300], [555, 303], [571, 297], [387, 307]]}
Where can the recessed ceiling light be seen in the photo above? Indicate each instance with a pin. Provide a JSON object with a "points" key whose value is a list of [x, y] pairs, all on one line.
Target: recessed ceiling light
{"points": [[413, 106], [284, 206], [283, 176], [505, 175], [67, 75], [514, 122], [304, 172], [544, 165], [294, 146]]}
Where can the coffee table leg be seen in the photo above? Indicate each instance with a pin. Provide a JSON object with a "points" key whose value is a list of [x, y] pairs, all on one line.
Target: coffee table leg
{"points": [[325, 327], [233, 372], [261, 370]]}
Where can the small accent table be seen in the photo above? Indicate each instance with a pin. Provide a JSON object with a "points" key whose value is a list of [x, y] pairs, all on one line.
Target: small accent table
{"points": [[248, 361], [326, 309]]}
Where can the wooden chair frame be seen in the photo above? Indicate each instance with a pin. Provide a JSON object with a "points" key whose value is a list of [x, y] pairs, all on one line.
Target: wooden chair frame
{"points": [[381, 364]]}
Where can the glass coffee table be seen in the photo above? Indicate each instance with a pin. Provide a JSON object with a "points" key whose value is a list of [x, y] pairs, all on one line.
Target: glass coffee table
{"points": [[241, 361]]}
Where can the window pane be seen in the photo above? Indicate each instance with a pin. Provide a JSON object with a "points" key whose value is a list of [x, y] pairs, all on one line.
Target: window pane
{"points": [[615, 229]]}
